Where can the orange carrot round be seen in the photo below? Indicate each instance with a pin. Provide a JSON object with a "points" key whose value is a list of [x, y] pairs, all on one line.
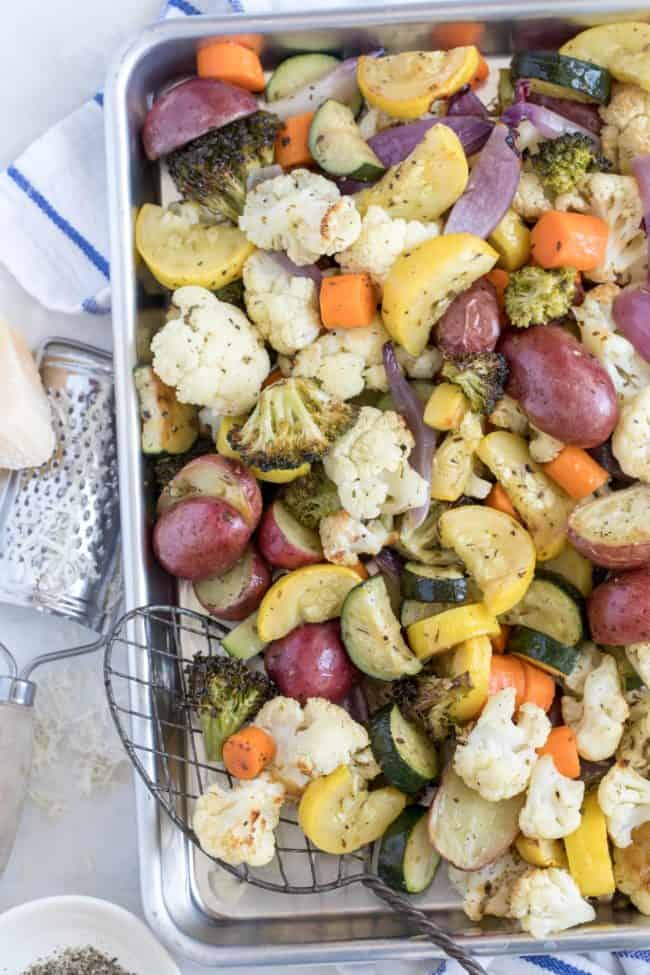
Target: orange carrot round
{"points": [[500, 642], [499, 278], [507, 671], [561, 745], [576, 472], [347, 301], [576, 240], [482, 73], [254, 42], [460, 33], [231, 62], [540, 686], [499, 500], [292, 142], [248, 752]]}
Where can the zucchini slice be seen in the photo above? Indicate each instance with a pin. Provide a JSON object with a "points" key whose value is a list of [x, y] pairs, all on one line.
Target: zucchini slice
{"points": [[552, 606], [543, 651], [408, 758], [372, 634], [563, 77], [243, 640], [407, 861], [413, 611], [434, 583], [339, 148], [297, 72]]}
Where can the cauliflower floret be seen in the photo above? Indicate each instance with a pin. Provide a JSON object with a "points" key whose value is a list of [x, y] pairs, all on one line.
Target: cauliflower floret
{"points": [[626, 132], [236, 825], [284, 306], [344, 538], [634, 750], [639, 656], [624, 797], [553, 803], [497, 756], [313, 741], [488, 891], [590, 658], [548, 901], [301, 213], [632, 869], [616, 200], [631, 438], [382, 239], [598, 719], [530, 201], [543, 447], [369, 465], [627, 370], [210, 353], [508, 415]]}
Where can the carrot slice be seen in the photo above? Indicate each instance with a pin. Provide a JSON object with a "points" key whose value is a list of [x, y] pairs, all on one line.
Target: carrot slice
{"points": [[254, 42], [461, 33], [292, 141], [482, 73], [360, 569], [347, 301], [540, 686], [499, 278], [248, 752], [507, 671], [576, 472], [499, 500], [500, 642], [231, 62], [576, 240], [561, 745]]}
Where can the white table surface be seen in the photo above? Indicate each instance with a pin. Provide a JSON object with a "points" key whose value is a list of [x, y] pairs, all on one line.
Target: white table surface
{"points": [[55, 56]]}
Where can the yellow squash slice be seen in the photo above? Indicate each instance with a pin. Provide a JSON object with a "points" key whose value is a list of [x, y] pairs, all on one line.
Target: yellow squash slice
{"points": [[621, 47], [445, 630], [310, 595]]}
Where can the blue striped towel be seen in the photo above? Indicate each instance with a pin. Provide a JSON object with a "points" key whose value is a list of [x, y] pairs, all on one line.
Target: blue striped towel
{"points": [[53, 211]]}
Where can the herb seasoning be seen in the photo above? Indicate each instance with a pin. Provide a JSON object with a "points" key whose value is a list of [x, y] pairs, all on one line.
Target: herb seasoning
{"points": [[77, 961]]}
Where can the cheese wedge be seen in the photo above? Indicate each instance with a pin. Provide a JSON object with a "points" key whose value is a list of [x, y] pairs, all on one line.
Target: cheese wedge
{"points": [[27, 437]]}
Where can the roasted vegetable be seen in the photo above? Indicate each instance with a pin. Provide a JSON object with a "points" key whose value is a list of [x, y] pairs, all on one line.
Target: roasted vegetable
{"points": [[535, 296], [561, 163], [233, 293], [423, 544], [311, 498], [481, 378], [294, 421], [429, 700], [167, 425], [214, 168], [225, 694], [167, 466]]}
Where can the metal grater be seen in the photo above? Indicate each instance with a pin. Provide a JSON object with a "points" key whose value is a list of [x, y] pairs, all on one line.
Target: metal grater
{"points": [[59, 523]]}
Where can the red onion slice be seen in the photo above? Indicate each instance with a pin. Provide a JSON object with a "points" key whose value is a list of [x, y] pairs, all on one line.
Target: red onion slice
{"points": [[631, 308], [549, 124], [492, 185], [411, 407], [395, 144], [299, 271], [340, 84], [585, 115], [466, 102]]}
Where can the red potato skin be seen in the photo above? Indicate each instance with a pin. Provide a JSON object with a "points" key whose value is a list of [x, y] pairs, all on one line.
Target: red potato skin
{"points": [[215, 476], [619, 609], [563, 389], [190, 109], [277, 548], [472, 322], [200, 537], [610, 556], [311, 661], [251, 595]]}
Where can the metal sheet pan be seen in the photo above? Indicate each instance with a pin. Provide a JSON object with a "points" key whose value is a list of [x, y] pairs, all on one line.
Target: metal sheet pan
{"points": [[190, 906]]}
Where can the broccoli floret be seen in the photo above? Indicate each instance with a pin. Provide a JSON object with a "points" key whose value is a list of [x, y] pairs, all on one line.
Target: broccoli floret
{"points": [[481, 377], [233, 294], [535, 296], [427, 700], [294, 422], [561, 163], [225, 694], [311, 498], [214, 168], [168, 465]]}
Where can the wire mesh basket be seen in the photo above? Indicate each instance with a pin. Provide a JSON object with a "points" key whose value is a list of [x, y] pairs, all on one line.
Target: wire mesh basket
{"points": [[146, 657]]}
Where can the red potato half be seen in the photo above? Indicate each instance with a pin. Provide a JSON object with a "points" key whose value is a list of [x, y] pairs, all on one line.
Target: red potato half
{"points": [[237, 593], [564, 390], [284, 542], [466, 829], [214, 476], [311, 661], [472, 321], [619, 609], [614, 531], [200, 537], [190, 109]]}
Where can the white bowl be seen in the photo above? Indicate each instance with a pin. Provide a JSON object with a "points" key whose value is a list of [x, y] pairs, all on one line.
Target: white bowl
{"points": [[38, 929]]}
